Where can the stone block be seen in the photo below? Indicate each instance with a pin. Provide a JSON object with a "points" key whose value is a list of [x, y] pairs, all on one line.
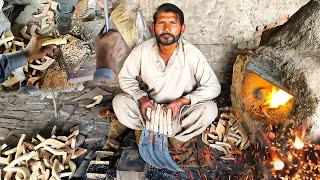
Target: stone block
{"points": [[14, 114], [32, 100], [67, 110], [3, 133]]}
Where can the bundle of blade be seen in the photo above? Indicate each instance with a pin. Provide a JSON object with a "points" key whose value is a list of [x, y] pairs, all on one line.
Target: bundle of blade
{"points": [[153, 145]]}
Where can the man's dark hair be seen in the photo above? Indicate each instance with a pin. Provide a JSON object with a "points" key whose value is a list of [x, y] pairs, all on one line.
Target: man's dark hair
{"points": [[167, 7]]}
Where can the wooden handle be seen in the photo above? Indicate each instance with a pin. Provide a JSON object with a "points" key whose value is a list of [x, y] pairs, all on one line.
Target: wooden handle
{"points": [[58, 41]]}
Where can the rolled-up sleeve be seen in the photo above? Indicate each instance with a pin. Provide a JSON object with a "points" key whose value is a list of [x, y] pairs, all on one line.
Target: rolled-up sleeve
{"points": [[10, 62], [208, 84], [129, 73]]}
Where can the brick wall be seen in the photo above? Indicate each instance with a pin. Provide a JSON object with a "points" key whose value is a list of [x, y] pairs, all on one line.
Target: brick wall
{"points": [[221, 28]]}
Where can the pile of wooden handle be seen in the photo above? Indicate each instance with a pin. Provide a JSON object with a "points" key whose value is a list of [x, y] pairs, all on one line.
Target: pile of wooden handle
{"points": [[226, 134], [51, 158], [160, 120]]}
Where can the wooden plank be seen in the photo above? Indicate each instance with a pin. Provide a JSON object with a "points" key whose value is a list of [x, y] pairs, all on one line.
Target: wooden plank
{"points": [[124, 175], [96, 176]]}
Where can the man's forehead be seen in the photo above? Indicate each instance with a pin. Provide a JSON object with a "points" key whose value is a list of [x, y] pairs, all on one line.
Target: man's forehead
{"points": [[167, 16]]}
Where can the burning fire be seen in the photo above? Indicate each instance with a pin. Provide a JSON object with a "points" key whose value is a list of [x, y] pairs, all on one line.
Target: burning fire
{"points": [[277, 164], [286, 162], [277, 97], [298, 143]]}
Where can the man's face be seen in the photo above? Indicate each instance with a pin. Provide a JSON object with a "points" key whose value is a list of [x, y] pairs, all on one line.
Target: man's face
{"points": [[168, 28]]}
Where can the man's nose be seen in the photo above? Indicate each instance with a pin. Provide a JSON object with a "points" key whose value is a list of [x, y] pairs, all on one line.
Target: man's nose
{"points": [[166, 27]]}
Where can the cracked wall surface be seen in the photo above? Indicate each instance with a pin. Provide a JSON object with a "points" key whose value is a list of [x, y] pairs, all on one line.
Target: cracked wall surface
{"points": [[222, 28]]}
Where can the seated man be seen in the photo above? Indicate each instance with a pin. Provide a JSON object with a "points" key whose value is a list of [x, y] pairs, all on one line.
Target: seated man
{"points": [[176, 74]]}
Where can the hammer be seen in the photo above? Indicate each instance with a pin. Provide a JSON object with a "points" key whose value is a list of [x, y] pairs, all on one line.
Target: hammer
{"points": [[106, 16]]}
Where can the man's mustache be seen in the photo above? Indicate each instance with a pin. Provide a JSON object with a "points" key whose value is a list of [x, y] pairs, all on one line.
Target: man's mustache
{"points": [[167, 34]]}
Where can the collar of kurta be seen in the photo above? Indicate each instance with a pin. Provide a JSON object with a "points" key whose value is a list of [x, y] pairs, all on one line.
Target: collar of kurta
{"points": [[179, 51]]}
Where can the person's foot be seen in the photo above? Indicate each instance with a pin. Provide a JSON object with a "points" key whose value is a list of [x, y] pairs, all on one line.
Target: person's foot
{"points": [[193, 153], [137, 134], [183, 152], [116, 129], [111, 145]]}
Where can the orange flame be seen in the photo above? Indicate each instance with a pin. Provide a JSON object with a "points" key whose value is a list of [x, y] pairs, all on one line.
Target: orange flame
{"points": [[277, 163], [298, 143], [277, 97]]}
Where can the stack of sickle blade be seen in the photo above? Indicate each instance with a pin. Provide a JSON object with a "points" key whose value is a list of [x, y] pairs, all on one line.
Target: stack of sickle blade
{"points": [[153, 145]]}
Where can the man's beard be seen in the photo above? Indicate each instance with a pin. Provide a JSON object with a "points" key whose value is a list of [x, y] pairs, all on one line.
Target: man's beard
{"points": [[167, 39]]}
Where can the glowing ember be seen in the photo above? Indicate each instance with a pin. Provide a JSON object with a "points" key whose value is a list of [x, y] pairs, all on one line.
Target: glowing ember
{"points": [[277, 98], [277, 164], [298, 143], [286, 162]]}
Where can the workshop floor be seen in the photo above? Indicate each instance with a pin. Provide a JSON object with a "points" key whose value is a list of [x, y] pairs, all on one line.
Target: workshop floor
{"points": [[30, 114]]}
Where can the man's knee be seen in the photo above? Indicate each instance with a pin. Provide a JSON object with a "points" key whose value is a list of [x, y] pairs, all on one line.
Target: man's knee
{"points": [[127, 111], [120, 100], [210, 112], [119, 104]]}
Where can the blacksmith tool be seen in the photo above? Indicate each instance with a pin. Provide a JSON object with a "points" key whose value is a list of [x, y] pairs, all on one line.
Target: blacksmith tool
{"points": [[153, 145]]}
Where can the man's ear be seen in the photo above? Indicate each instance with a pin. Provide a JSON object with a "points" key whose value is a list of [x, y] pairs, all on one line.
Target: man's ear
{"points": [[183, 28], [151, 27]]}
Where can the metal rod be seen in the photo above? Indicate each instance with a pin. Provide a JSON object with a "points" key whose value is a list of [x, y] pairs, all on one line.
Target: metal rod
{"points": [[54, 105], [106, 16]]}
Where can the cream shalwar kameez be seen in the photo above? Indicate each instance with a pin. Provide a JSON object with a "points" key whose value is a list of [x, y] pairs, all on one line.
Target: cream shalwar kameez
{"points": [[187, 74]]}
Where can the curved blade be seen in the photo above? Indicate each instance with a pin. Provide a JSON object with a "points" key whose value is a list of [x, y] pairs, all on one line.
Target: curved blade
{"points": [[151, 152], [158, 151], [168, 157], [143, 148], [142, 144], [158, 148]]}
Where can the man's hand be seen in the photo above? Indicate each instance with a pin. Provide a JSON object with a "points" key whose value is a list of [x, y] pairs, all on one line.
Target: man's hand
{"points": [[145, 102], [34, 49], [176, 105]]}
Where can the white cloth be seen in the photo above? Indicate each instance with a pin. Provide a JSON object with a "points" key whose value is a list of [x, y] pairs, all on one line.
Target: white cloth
{"points": [[187, 74], [192, 120]]}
